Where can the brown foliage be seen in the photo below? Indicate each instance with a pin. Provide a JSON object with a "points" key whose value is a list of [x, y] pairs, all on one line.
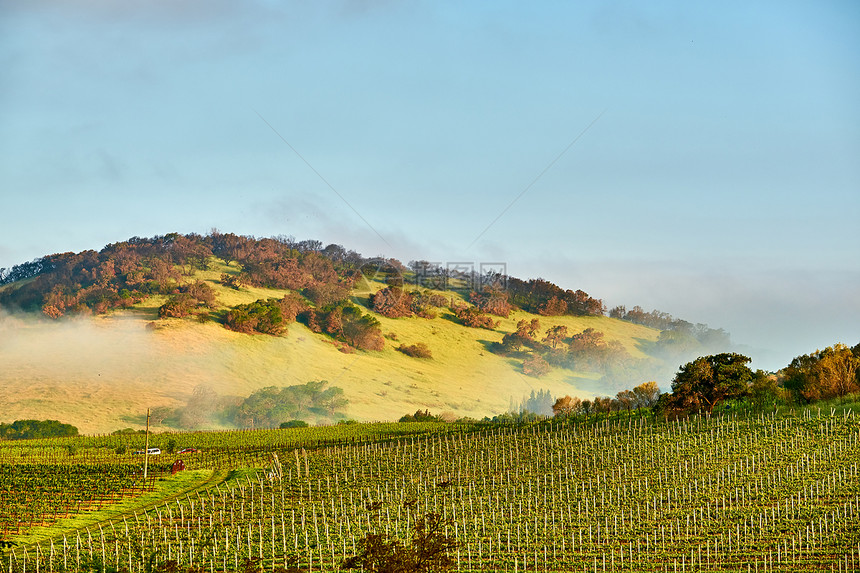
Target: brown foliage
{"points": [[471, 316], [646, 394], [417, 350], [555, 335], [535, 365], [586, 340], [51, 311], [326, 294], [186, 299], [392, 302], [230, 281], [565, 406], [291, 306], [553, 307], [830, 373], [427, 553], [492, 301]]}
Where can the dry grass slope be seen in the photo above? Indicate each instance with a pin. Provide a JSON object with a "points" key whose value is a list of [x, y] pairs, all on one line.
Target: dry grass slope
{"points": [[101, 373]]}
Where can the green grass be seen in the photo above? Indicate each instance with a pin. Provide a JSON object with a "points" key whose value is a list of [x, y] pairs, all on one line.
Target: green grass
{"points": [[730, 492], [102, 373], [168, 487]]}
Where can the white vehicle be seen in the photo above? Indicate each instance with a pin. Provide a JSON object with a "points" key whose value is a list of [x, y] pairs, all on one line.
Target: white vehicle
{"points": [[150, 451]]}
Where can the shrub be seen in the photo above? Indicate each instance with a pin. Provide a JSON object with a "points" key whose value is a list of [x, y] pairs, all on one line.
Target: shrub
{"points": [[293, 424], [419, 416], [265, 316], [417, 350], [28, 429], [186, 299], [427, 552], [177, 306], [392, 302], [474, 317], [536, 366], [362, 331], [230, 281], [268, 406], [492, 301], [326, 294]]}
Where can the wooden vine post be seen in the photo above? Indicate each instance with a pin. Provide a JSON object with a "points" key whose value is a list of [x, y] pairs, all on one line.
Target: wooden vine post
{"points": [[146, 450]]}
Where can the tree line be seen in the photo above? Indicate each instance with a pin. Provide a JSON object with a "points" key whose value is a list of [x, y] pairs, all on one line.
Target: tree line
{"points": [[126, 272], [707, 383], [31, 429], [322, 281], [269, 407]]}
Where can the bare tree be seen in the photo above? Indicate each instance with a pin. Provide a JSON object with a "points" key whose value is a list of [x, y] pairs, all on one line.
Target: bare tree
{"points": [[646, 394], [565, 406], [627, 398]]}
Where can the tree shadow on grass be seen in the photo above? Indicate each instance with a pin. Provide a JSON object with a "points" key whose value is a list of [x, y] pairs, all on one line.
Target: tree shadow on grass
{"points": [[648, 347]]}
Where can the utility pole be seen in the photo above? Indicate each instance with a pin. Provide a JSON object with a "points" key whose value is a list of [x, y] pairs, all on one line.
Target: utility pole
{"points": [[146, 450]]}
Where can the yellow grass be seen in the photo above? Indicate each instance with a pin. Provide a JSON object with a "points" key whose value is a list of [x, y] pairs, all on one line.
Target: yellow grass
{"points": [[101, 374]]}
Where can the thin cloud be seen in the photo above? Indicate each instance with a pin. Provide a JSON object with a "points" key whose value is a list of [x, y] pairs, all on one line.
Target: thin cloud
{"points": [[154, 10]]}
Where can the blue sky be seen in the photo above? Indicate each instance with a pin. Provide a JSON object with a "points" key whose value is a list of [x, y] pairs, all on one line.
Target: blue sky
{"points": [[720, 182]]}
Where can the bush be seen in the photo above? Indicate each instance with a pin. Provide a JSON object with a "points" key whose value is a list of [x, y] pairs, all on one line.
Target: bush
{"points": [[419, 416], [265, 316], [362, 331], [428, 551], [492, 301], [177, 306], [188, 298], [474, 317], [326, 294], [346, 323], [28, 429], [417, 350], [230, 281], [392, 302], [266, 407], [536, 366], [293, 424]]}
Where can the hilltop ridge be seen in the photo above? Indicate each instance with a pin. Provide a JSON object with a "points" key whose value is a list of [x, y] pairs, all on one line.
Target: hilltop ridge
{"points": [[100, 337]]}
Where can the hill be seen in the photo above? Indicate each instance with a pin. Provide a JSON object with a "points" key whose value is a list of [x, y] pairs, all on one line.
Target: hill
{"points": [[101, 372]]}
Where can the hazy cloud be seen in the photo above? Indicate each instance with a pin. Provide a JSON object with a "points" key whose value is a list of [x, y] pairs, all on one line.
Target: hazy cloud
{"points": [[776, 314], [152, 10]]}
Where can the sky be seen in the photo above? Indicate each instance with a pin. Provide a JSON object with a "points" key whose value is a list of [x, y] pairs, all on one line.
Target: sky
{"points": [[702, 159]]}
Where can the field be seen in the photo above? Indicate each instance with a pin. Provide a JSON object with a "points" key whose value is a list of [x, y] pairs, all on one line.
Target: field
{"points": [[102, 373], [761, 492]]}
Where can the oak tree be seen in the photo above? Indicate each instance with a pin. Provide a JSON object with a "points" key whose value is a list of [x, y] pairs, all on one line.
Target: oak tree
{"points": [[709, 380]]}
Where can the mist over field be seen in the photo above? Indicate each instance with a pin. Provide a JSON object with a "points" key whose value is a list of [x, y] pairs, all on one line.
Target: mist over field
{"points": [[89, 370], [102, 373]]}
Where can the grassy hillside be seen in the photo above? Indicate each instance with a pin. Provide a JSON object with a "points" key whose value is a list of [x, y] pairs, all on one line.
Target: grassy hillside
{"points": [[101, 373]]}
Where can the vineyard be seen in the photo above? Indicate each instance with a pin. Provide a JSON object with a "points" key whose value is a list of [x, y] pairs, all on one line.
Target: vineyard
{"points": [[758, 493]]}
